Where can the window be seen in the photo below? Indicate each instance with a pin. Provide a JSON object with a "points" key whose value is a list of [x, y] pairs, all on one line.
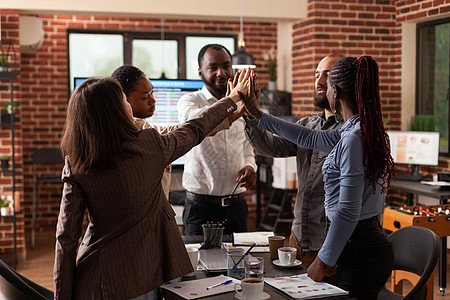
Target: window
{"points": [[433, 77], [93, 55], [98, 53], [155, 57], [193, 46]]}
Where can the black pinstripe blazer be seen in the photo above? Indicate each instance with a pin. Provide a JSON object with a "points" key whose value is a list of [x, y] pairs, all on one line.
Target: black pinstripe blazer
{"points": [[132, 244]]}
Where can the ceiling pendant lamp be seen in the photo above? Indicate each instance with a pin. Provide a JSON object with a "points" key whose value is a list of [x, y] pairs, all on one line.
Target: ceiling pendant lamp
{"points": [[242, 59]]}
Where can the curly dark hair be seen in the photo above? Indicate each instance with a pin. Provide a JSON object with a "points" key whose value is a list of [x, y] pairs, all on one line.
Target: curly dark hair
{"points": [[357, 79], [127, 76]]}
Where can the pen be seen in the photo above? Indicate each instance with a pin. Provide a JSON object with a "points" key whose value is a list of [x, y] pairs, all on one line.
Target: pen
{"points": [[237, 184], [219, 284], [245, 254]]}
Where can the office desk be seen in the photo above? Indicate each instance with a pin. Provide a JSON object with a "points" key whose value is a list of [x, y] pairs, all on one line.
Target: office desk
{"points": [[270, 270], [412, 187]]}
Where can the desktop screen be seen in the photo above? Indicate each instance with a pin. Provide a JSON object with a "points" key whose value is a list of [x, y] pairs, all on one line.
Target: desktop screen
{"points": [[167, 93], [414, 147]]}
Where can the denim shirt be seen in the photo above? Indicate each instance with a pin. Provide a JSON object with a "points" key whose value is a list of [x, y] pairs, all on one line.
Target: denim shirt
{"points": [[349, 195], [309, 226]]}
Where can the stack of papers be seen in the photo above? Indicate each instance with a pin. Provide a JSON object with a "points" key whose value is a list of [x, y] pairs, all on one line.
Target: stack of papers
{"points": [[197, 288], [248, 238], [303, 287]]}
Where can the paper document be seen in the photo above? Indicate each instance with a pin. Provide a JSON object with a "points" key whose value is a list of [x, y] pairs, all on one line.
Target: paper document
{"points": [[248, 238], [259, 249], [194, 289], [303, 287]]}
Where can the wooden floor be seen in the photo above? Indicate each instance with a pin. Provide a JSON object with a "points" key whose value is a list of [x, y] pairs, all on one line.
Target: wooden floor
{"points": [[39, 265]]}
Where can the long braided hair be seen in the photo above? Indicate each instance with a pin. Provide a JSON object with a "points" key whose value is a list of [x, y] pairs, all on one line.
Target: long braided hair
{"points": [[357, 79]]}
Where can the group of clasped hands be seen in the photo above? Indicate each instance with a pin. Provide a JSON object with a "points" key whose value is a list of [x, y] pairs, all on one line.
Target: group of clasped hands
{"points": [[245, 83]]}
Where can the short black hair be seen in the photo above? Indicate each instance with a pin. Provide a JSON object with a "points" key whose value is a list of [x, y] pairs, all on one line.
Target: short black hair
{"points": [[212, 46], [127, 76]]}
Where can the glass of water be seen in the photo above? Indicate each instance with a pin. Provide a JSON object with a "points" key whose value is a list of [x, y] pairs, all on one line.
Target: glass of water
{"points": [[254, 267]]}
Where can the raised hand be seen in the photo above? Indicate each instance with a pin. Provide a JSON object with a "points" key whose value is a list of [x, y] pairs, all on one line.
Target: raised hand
{"points": [[240, 85], [252, 99]]}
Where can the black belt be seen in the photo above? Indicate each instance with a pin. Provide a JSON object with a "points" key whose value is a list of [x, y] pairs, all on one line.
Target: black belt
{"points": [[223, 201]]}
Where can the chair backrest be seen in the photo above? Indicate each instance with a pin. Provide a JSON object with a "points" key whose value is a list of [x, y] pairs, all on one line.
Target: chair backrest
{"points": [[417, 251], [17, 287], [47, 155]]}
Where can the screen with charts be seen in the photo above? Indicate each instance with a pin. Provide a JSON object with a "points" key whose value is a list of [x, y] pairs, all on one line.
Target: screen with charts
{"points": [[414, 147], [167, 93]]}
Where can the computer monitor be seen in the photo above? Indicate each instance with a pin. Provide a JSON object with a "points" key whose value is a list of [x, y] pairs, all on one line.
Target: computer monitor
{"points": [[167, 92], [77, 81], [415, 148]]}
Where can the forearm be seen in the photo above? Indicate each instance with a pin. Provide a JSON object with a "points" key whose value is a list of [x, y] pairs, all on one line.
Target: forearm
{"points": [[304, 137], [265, 143]]}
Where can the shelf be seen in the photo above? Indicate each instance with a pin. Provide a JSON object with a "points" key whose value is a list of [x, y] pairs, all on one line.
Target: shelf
{"points": [[8, 75], [8, 217], [5, 119]]}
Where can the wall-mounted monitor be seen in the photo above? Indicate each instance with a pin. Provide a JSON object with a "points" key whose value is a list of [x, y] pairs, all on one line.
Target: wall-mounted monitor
{"points": [[167, 93], [415, 148], [77, 81]]}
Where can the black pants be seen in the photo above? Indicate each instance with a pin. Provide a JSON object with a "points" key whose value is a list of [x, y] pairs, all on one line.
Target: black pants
{"points": [[366, 262], [197, 212]]}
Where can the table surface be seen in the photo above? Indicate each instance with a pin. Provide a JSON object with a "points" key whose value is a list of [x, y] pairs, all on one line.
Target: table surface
{"points": [[418, 188], [270, 270]]}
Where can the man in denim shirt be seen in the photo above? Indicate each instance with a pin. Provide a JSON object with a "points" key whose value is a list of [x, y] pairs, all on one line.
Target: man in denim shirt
{"points": [[309, 227]]}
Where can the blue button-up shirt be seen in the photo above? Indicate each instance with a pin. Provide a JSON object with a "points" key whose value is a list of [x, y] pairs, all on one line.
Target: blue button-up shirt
{"points": [[349, 195]]}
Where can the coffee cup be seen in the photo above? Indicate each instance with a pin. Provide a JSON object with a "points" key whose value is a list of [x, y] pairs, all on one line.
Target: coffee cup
{"points": [[275, 242], [193, 257], [287, 256], [252, 288]]}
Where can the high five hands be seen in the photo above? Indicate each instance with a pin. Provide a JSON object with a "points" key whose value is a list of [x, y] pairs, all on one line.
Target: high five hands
{"points": [[251, 99]]}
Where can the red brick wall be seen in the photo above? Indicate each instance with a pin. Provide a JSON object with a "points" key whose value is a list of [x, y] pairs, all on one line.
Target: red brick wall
{"points": [[351, 28]]}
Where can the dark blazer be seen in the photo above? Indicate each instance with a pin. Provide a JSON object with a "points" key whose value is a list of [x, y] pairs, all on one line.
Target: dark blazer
{"points": [[132, 244]]}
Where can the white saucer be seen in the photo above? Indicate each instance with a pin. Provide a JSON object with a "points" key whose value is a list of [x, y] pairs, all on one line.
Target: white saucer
{"points": [[296, 263], [263, 296]]}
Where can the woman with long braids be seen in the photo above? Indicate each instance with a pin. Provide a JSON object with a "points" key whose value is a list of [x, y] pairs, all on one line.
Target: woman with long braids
{"points": [[356, 174]]}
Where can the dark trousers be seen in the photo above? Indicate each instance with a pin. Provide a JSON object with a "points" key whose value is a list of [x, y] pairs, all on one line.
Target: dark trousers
{"points": [[199, 209], [366, 262]]}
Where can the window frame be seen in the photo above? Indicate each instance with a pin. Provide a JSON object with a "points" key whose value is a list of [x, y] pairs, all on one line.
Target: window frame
{"points": [[129, 36]]}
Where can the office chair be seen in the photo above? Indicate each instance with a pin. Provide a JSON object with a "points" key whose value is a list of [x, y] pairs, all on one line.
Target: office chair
{"points": [[14, 286], [42, 156], [416, 250]]}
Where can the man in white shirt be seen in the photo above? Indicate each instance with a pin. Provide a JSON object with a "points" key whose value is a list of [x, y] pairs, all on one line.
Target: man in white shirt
{"points": [[214, 167]]}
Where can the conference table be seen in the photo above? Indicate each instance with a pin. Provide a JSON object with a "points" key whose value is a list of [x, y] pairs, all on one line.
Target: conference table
{"points": [[270, 270]]}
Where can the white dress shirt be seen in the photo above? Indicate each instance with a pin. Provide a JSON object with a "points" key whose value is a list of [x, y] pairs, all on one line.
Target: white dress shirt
{"points": [[212, 167]]}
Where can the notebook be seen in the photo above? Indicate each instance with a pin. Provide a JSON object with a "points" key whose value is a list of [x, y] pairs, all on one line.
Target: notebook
{"points": [[215, 260]]}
